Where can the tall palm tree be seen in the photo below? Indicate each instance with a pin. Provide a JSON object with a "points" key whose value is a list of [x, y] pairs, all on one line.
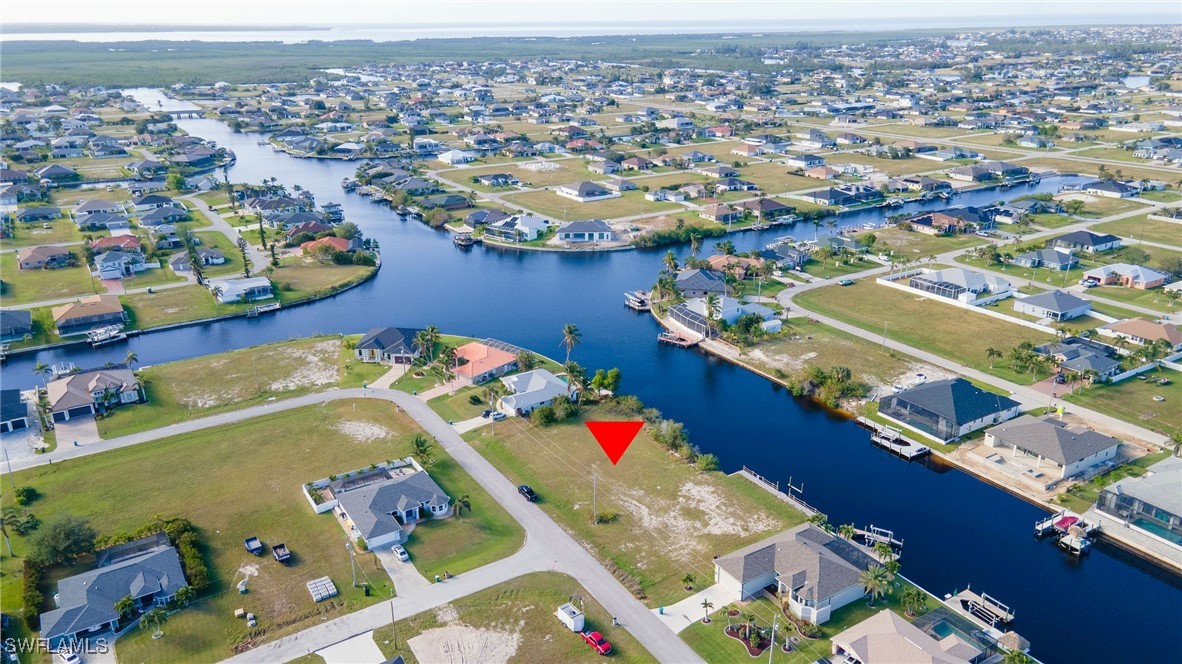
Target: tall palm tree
{"points": [[670, 261], [131, 358], [913, 600], [877, 581], [420, 445], [422, 344], [992, 353], [462, 504], [42, 369], [433, 337], [571, 337], [695, 244], [575, 377], [707, 605], [847, 531]]}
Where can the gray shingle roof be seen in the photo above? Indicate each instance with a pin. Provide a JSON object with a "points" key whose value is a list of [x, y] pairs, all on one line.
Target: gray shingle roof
{"points": [[812, 562], [1056, 301], [1052, 439], [369, 507], [956, 399], [396, 340]]}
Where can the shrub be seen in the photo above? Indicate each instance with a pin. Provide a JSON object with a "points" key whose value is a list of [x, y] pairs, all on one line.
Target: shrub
{"points": [[543, 416], [361, 545], [475, 399], [61, 540], [25, 495], [31, 595], [707, 462]]}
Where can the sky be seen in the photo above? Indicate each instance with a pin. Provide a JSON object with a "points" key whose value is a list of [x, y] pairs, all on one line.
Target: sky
{"points": [[572, 13]]}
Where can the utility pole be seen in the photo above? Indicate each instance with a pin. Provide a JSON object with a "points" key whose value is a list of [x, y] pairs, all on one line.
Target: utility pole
{"points": [[772, 648], [594, 496], [353, 565], [10, 480], [884, 335]]}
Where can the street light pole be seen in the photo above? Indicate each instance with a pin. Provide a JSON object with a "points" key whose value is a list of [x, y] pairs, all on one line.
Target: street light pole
{"points": [[352, 564]]}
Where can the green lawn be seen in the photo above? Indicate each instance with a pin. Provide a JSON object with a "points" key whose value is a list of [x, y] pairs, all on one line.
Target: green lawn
{"points": [[1106, 207], [25, 286], [667, 523], [835, 268], [152, 277], [457, 407], [752, 287], [299, 280], [1144, 228], [1132, 401], [774, 178], [1053, 220], [710, 641], [203, 386], [550, 204], [520, 611], [913, 244], [1150, 299], [1162, 196], [357, 373], [259, 467], [946, 330], [32, 235], [217, 240]]}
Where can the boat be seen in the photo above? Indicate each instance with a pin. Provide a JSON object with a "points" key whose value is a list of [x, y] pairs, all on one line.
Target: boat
{"points": [[105, 335], [674, 339], [263, 142], [637, 301], [894, 202], [463, 239], [1071, 531]]}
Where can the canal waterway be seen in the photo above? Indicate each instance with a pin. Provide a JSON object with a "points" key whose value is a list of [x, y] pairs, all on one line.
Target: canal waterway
{"points": [[957, 530]]}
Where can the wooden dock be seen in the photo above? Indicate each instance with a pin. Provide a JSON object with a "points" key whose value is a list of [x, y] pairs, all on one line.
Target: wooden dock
{"points": [[674, 339], [1071, 531], [893, 440]]}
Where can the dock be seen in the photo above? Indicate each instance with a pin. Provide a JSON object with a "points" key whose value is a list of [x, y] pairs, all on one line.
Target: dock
{"points": [[674, 339], [893, 440], [105, 335], [872, 535], [982, 609], [1071, 531], [464, 240], [637, 301], [262, 309]]}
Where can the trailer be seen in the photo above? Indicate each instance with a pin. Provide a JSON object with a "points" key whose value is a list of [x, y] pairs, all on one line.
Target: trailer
{"points": [[571, 617], [253, 546], [281, 553]]}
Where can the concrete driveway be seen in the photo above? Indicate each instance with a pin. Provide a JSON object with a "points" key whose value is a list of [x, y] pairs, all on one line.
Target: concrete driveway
{"points": [[684, 613], [83, 430], [405, 575], [360, 649]]}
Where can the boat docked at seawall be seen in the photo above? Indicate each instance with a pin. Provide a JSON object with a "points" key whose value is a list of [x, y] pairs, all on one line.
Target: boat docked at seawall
{"points": [[1072, 532], [105, 335], [637, 301]]}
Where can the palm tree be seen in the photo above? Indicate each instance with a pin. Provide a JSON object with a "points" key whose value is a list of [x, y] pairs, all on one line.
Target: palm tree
{"points": [[688, 581], [576, 375], [1016, 657], [131, 358], [155, 619], [992, 353], [913, 600], [433, 337], [420, 445], [216, 291], [695, 244], [462, 504], [847, 531], [571, 337], [125, 606], [670, 261], [877, 581], [713, 306], [422, 344], [492, 392], [185, 595], [42, 369], [706, 606], [824, 254], [526, 360]]}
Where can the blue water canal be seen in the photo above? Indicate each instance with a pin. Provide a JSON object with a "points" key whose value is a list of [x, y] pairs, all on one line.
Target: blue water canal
{"points": [[1109, 607]]}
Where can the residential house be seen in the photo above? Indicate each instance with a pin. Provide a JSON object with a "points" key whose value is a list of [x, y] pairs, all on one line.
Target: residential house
{"points": [[388, 345], [889, 638], [181, 263], [35, 214], [38, 258], [148, 570], [1057, 258], [1109, 189], [518, 228], [805, 161], [1126, 275], [813, 573], [589, 230], [479, 361], [740, 266], [585, 192], [152, 202], [496, 180], [957, 283], [531, 389], [242, 289], [1081, 357], [164, 215], [335, 243], [14, 412], [1142, 331], [90, 392], [1053, 305], [1070, 450], [1151, 503], [15, 324], [117, 264], [87, 314], [723, 214], [93, 206], [445, 201], [947, 409], [1086, 241], [381, 505], [700, 283]]}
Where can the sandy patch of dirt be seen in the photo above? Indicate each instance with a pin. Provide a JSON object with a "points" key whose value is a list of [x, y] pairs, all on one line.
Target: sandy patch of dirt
{"points": [[706, 499], [363, 432], [317, 367], [307, 367], [463, 644]]}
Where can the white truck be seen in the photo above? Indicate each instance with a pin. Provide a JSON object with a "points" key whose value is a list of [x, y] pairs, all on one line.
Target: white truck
{"points": [[570, 616]]}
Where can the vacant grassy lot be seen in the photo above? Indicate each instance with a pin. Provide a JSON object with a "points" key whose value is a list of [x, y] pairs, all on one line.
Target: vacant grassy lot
{"points": [[1067, 165], [1132, 400], [206, 385], [890, 166], [298, 278], [774, 178], [173, 305], [249, 485], [1100, 207], [25, 286], [568, 171], [946, 330], [1161, 196], [520, 612], [837, 268], [1150, 299], [1143, 228], [670, 180], [550, 204], [1052, 220], [32, 235], [710, 641], [807, 344], [912, 244], [666, 518], [920, 132], [1114, 154]]}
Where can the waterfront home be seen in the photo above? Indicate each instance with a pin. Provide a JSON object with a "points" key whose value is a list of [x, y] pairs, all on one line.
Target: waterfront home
{"points": [[242, 289], [804, 161], [41, 213], [953, 220], [740, 266], [90, 392], [888, 638], [91, 207], [38, 258], [1053, 305], [15, 324], [723, 214], [518, 228], [1082, 357], [336, 244], [696, 282], [381, 505], [588, 230], [117, 263], [1142, 331], [1109, 189], [957, 283], [484, 217], [585, 192], [387, 345], [88, 313], [971, 173], [148, 570], [1086, 241], [531, 389], [1057, 258], [1126, 275], [1069, 450], [815, 572], [479, 362], [1151, 503], [947, 409], [14, 412]]}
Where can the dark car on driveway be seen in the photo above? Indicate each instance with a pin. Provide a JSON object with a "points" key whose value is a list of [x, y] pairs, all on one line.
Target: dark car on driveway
{"points": [[529, 493]]}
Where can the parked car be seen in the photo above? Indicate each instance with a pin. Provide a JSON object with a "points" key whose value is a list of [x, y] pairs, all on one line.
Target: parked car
{"points": [[71, 657], [497, 417], [400, 552], [846, 282], [529, 493], [1089, 282], [486, 414], [596, 641], [1060, 379]]}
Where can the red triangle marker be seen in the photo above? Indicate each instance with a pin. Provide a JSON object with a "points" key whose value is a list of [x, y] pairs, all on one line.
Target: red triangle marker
{"points": [[614, 437]]}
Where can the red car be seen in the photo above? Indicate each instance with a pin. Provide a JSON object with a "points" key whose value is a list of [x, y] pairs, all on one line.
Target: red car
{"points": [[596, 640]]}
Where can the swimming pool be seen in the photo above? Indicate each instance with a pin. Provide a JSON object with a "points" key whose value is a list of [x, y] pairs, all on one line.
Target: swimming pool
{"points": [[1159, 530]]}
